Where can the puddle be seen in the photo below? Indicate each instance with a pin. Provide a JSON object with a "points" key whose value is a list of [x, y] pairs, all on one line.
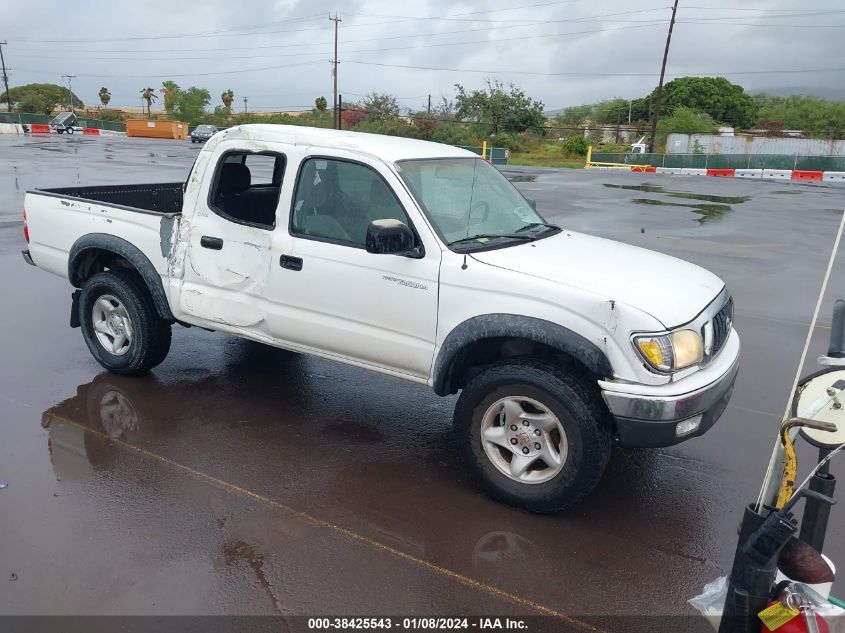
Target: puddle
{"points": [[787, 191], [684, 194], [707, 211]]}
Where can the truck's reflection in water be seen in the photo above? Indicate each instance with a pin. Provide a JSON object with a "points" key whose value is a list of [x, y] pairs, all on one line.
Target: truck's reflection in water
{"points": [[275, 431]]}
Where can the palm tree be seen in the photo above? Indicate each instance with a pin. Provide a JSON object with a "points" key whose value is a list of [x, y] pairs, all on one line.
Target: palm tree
{"points": [[170, 89], [105, 96], [228, 97], [149, 95]]}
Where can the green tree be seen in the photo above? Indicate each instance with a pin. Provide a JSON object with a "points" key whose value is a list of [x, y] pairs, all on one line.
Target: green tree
{"points": [[170, 91], [500, 108], [820, 118], [227, 98], [685, 120], [191, 104], [380, 106], [321, 104], [722, 100], [105, 96], [40, 98], [576, 145], [149, 95]]}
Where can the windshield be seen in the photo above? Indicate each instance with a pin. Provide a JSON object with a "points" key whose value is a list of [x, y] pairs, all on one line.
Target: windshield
{"points": [[469, 201], [205, 128]]}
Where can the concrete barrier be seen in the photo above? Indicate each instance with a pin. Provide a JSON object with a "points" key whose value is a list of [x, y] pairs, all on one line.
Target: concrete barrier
{"points": [[644, 169], [91, 131], [669, 170], [111, 133], [11, 128], [806, 174], [721, 173], [40, 128], [778, 174], [691, 171], [748, 173], [835, 176]]}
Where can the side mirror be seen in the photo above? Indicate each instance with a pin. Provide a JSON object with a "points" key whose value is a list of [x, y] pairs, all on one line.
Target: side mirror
{"points": [[391, 237]]}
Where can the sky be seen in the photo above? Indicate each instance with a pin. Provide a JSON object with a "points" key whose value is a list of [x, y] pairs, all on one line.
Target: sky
{"points": [[563, 53]]}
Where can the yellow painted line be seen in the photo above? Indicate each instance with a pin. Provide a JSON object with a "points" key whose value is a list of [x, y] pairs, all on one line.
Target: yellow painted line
{"points": [[354, 536]]}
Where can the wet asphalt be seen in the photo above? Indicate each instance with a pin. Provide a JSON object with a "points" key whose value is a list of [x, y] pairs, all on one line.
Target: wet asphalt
{"points": [[239, 479]]}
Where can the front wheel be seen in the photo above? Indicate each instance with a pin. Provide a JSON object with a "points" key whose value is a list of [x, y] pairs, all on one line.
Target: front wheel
{"points": [[534, 435], [120, 324]]}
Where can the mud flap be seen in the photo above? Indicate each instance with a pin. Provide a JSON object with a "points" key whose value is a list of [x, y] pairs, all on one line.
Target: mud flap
{"points": [[74, 308]]}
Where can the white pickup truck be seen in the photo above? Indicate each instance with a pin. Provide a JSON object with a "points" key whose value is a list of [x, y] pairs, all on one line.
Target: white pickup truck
{"points": [[416, 260]]}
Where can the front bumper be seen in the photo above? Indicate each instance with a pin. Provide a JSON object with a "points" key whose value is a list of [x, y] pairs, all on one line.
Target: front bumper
{"points": [[649, 420]]}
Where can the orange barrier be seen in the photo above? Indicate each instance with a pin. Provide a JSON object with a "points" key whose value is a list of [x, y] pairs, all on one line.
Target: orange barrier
{"points": [[806, 174], [647, 169], [91, 131], [39, 128], [724, 173]]}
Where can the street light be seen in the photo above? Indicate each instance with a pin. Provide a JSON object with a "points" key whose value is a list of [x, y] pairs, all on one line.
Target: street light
{"points": [[245, 100], [69, 78]]}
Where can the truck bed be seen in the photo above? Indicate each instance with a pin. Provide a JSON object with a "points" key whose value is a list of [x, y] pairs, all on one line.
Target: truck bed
{"points": [[159, 198]]}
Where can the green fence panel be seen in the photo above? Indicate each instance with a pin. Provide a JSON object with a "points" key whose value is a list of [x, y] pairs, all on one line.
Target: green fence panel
{"points": [[726, 161], [497, 155]]}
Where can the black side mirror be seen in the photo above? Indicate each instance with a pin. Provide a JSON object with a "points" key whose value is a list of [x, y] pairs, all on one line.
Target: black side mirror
{"points": [[391, 237]]}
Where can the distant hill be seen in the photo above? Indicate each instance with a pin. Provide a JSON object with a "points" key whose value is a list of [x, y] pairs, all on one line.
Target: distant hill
{"points": [[834, 91]]}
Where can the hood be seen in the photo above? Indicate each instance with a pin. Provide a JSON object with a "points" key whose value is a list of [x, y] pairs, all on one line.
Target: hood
{"points": [[669, 289]]}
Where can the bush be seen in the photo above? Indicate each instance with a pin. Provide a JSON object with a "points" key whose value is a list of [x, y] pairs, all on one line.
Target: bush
{"points": [[576, 146], [455, 134]]}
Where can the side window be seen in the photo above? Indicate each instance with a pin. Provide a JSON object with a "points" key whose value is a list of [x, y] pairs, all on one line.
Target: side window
{"points": [[246, 187], [336, 200]]}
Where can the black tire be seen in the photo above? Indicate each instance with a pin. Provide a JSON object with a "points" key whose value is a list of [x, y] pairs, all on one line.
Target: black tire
{"points": [[577, 406], [150, 341], [69, 130]]}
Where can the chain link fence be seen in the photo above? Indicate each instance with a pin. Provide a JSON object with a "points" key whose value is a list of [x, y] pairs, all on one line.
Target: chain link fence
{"points": [[726, 161], [26, 118]]}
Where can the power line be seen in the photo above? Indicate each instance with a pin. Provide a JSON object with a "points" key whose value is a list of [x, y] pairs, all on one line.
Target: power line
{"points": [[594, 74], [370, 39]]}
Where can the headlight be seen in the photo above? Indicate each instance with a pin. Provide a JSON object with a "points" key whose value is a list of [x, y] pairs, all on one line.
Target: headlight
{"points": [[670, 352]]}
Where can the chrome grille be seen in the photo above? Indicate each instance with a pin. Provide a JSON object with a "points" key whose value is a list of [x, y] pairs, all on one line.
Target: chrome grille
{"points": [[722, 323]]}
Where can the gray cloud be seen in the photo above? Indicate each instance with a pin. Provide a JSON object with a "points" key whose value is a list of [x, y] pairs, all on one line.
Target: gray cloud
{"points": [[601, 38]]}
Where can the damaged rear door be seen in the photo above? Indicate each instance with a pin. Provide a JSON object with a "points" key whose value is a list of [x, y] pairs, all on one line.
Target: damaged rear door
{"points": [[228, 255]]}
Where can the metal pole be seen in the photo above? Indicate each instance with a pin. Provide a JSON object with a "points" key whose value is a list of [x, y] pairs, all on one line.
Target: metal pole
{"points": [[69, 78], [337, 20], [659, 95], [339, 112], [245, 100], [5, 77], [429, 105]]}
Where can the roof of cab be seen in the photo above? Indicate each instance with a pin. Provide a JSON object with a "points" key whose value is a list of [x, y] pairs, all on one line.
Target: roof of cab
{"points": [[387, 148]]}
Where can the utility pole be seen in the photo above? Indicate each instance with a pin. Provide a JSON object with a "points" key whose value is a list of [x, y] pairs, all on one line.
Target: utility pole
{"points": [[339, 112], [429, 105], [659, 95], [69, 78], [5, 77], [337, 20], [245, 100]]}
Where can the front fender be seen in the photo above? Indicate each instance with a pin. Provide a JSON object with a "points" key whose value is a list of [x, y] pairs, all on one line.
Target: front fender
{"points": [[513, 326]]}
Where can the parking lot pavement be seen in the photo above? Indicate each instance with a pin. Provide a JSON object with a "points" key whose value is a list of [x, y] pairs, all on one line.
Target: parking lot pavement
{"points": [[242, 479]]}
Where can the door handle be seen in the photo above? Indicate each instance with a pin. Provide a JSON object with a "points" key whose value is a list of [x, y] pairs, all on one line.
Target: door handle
{"points": [[291, 263], [214, 243]]}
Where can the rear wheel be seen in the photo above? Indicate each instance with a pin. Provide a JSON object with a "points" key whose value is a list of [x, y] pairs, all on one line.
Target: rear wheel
{"points": [[534, 435], [120, 324]]}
